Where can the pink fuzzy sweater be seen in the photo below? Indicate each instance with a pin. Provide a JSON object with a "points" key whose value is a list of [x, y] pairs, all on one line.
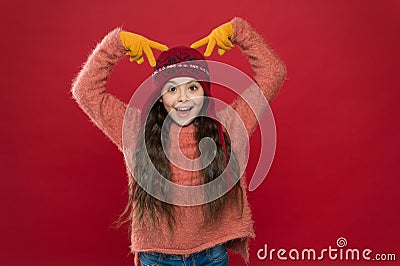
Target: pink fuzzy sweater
{"points": [[107, 112]]}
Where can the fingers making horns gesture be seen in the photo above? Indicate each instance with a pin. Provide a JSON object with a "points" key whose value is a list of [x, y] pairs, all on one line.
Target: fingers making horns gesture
{"points": [[220, 36], [137, 45]]}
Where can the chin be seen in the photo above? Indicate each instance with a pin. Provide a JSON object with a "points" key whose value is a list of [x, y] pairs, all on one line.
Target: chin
{"points": [[181, 122]]}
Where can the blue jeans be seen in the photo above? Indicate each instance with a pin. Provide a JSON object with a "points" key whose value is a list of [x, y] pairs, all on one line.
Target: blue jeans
{"points": [[215, 256]]}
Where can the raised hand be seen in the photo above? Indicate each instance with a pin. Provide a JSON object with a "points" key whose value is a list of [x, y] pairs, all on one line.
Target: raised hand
{"points": [[136, 45], [220, 36]]}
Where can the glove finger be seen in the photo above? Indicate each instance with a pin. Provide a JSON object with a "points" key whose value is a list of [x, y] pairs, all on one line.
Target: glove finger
{"points": [[225, 38], [135, 54], [147, 51], [228, 43], [200, 43], [210, 47], [140, 60], [222, 45], [221, 51], [158, 46], [223, 41], [134, 57]]}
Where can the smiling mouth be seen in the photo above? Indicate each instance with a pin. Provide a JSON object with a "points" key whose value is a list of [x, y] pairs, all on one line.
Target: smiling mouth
{"points": [[183, 111]]}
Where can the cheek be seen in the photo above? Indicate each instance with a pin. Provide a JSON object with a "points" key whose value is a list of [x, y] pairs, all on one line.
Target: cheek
{"points": [[168, 101], [199, 102]]}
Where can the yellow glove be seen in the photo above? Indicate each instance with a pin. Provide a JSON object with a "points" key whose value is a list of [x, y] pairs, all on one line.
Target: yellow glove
{"points": [[221, 36], [136, 45]]}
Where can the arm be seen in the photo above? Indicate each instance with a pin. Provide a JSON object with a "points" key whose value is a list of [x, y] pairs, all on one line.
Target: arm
{"points": [[269, 74], [269, 71], [89, 88]]}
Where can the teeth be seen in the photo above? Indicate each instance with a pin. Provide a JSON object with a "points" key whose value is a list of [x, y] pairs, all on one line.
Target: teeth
{"points": [[183, 109]]}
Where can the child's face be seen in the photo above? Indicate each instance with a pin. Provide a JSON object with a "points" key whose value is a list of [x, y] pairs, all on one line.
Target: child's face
{"points": [[183, 99]]}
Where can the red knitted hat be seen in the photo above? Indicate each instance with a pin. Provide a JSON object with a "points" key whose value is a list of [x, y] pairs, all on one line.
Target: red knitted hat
{"points": [[181, 61]]}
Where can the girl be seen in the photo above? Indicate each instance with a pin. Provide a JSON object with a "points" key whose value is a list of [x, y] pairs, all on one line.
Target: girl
{"points": [[163, 233]]}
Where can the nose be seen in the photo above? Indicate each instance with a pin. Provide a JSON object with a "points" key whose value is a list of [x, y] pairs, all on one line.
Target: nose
{"points": [[183, 97]]}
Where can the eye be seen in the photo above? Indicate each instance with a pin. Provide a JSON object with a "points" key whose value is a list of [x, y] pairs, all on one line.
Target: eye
{"points": [[171, 89], [192, 88]]}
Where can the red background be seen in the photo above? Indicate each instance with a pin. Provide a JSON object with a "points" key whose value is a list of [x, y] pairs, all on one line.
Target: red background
{"points": [[335, 172]]}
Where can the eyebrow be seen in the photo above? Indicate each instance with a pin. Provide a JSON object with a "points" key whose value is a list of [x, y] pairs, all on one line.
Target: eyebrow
{"points": [[173, 82]]}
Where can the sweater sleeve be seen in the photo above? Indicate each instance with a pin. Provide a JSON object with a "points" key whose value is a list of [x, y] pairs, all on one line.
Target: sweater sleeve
{"points": [[89, 89], [269, 74]]}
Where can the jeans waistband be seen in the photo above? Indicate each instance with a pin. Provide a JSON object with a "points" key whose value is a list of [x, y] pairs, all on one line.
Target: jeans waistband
{"points": [[180, 256]]}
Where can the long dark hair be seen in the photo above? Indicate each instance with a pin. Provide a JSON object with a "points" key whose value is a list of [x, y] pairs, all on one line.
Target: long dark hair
{"points": [[149, 141]]}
